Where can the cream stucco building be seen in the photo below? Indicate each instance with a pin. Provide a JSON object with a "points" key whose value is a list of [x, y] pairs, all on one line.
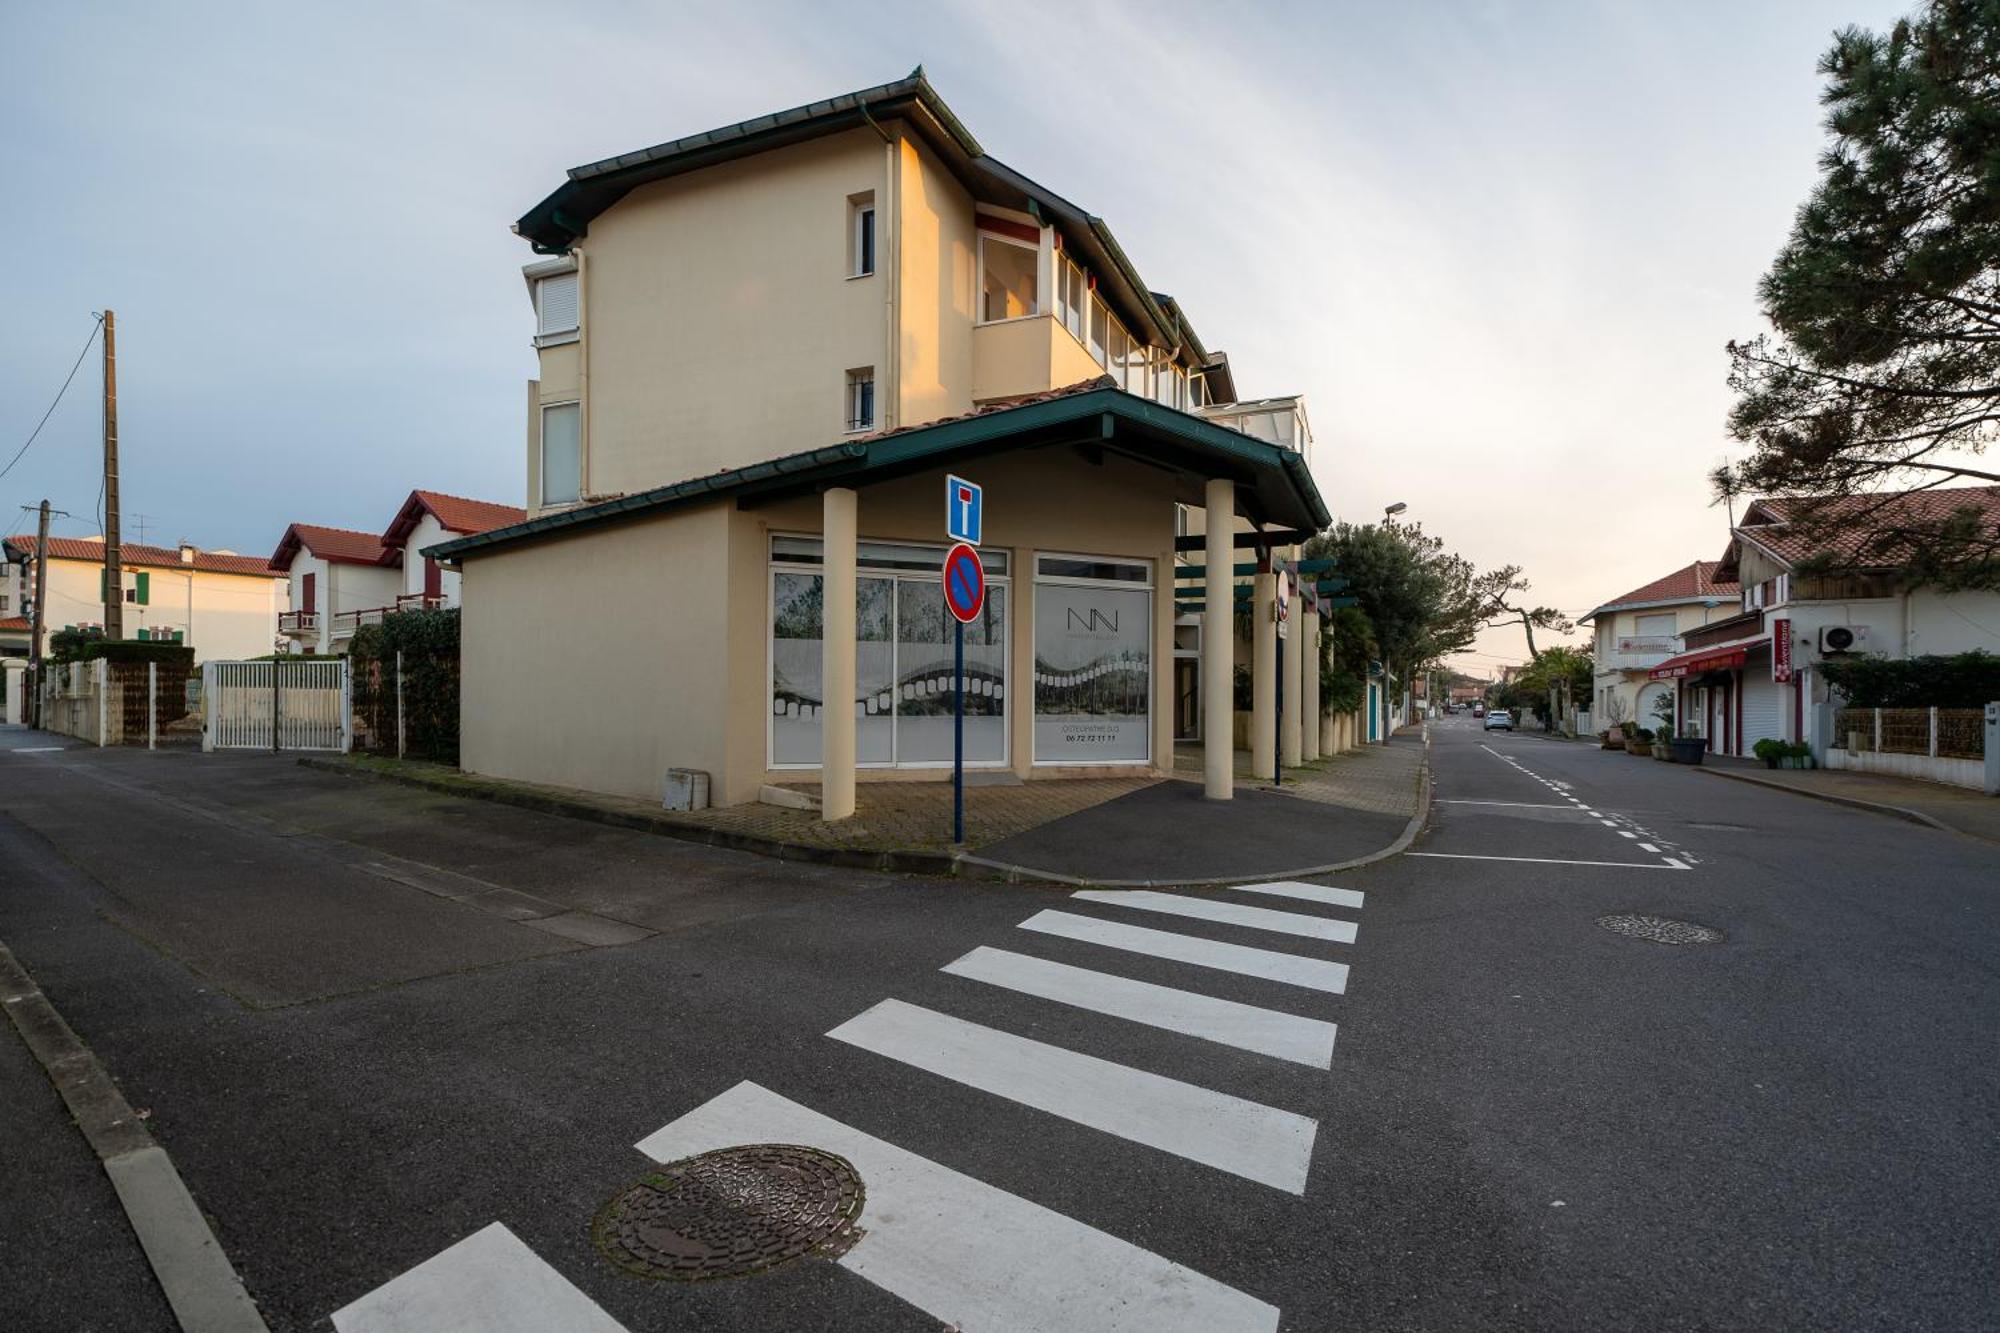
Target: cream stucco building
{"points": [[1641, 629], [221, 604], [763, 349]]}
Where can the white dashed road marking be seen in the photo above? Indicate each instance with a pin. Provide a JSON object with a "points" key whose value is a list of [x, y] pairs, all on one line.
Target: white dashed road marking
{"points": [[1305, 1041], [1550, 860], [487, 1283], [1292, 969], [1311, 893], [970, 1255], [1228, 914], [1241, 1137]]}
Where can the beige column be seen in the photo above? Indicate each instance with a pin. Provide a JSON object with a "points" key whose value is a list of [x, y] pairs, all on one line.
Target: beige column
{"points": [[1218, 643], [1263, 681], [1292, 744], [838, 531], [1309, 694]]}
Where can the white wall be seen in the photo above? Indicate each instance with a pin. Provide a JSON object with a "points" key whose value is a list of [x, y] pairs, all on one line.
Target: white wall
{"points": [[428, 532], [233, 615]]}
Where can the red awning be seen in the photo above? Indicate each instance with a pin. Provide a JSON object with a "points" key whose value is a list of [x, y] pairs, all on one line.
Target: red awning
{"points": [[1701, 659]]}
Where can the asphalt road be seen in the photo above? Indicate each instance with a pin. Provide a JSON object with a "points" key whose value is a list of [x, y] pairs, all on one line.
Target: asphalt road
{"points": [[1526, 1121]]}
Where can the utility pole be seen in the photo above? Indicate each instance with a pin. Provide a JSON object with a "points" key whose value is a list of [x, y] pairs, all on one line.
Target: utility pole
{"points": [[41, 596], [114, 573]]}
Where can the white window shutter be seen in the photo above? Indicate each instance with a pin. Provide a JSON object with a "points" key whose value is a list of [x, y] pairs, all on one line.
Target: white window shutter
{"points": [[556, 299]]}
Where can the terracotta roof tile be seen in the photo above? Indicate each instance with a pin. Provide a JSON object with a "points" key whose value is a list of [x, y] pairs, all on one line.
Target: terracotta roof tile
{"points": [[132, 554], [1861, 530], [991, 405], [455, 513], [16, 622], [342, 545], [1683, 585]]}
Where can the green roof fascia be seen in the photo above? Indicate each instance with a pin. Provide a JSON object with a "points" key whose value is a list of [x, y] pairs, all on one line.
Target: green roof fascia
{"points": [[554, 224], [715, 486], [888, 455]]}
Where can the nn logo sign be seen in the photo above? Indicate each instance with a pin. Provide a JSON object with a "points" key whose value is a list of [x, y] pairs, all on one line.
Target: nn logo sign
{"points": [[1093, 621]]}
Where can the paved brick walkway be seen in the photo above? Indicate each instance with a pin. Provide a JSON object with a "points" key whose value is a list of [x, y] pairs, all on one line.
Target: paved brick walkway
{"points": [[1138, 827], [889, 816], [1381, 779]]}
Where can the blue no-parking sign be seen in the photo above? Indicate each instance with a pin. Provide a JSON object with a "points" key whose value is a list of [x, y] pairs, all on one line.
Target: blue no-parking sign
{"points": [[963, 518]]}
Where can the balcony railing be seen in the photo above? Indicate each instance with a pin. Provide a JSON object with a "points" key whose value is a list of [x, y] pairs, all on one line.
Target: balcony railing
{"points": [[1640, 644], [346, 622], [298, 622]]}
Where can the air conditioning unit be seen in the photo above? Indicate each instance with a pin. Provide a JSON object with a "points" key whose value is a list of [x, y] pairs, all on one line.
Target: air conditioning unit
{"points": [[1843, 638]]}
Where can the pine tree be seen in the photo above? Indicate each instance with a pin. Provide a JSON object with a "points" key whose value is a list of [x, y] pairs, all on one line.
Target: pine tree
{"points": [[1885, 368]]}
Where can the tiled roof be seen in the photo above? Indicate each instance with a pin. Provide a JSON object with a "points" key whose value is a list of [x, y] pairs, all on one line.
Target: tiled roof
{"points": [[454, 513], [991, 405], [1273, 482], [16, 622], [341, 545], [1686, 584], [157, 557], [1861, 531]]}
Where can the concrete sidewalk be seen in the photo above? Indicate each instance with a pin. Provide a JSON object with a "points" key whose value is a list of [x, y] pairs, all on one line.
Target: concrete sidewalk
{"points": [[1336, 812], [1954, 809]]}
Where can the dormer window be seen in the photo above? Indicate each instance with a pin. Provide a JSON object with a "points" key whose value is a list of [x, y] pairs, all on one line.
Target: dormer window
{"points": [[558, 303]]}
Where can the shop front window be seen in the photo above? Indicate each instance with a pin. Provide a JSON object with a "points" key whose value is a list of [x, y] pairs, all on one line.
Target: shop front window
{"points": [[1093, 661], [903, 659]]}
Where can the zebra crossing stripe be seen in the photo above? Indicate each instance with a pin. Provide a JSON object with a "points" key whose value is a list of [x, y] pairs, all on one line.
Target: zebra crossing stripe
{"points": [[1291, 969], [1225, 913], [1305, 1041], [1312, 893], [972, 1256], [1241, 1137], [490, 1282]]}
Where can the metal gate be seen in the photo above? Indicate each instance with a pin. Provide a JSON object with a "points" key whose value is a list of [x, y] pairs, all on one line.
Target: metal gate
{"points": [[305, 705]]}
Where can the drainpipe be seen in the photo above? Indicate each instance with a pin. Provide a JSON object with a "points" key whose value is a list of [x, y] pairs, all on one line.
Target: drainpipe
{"points": [[582, 375], [888, 265]]}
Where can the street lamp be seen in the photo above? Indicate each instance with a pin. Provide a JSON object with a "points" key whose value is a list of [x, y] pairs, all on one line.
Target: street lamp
{"points": [[1394, 509]]}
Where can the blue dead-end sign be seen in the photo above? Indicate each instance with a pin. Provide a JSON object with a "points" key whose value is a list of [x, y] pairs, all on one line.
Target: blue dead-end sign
{"points": [[964, 583], [963, 505]]}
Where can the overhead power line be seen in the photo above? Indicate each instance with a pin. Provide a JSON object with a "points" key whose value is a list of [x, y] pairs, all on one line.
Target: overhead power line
{"points": [[96, 324]]}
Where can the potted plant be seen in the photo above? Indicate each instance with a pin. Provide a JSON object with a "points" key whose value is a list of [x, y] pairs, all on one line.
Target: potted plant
{"points": [[1612, 738], [1640, 741], [1687, 749], [1663, 744], [1663, 712], [1798, 755], [1772, 752]]}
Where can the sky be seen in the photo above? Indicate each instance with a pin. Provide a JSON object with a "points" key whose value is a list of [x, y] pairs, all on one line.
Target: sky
{"points": [[1499, 247]]}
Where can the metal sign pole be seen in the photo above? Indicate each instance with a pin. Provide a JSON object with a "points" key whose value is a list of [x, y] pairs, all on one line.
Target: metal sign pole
{"points": [[1278, 740], [958, 733]]}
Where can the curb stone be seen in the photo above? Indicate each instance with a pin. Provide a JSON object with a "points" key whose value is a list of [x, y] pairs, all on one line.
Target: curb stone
{"points": [[200, 1284], [1858, 803], [945, 865]]}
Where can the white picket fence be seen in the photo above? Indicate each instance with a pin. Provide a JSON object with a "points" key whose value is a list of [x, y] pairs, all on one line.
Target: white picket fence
{"points": [[308, 706]]}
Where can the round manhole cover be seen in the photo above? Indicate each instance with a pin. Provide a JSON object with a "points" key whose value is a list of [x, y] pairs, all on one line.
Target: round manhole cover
{"points": [[731, 1213], [1659, 929]]}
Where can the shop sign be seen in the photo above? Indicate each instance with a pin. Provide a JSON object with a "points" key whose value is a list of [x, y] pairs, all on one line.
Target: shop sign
{"points": [[1781, 651]]}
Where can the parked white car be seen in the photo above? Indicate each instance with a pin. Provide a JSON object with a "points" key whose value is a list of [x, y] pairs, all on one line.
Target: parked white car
{"points": [[1499, 719]]}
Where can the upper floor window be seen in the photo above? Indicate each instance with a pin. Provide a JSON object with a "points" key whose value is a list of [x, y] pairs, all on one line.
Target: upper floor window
{"points": [[1655, 626], [861, 228], [562, 453], [557, 306], [1009, 281], [861, 399]]}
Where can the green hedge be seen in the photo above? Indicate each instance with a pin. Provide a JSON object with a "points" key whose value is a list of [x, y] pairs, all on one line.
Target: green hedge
{"points": [[1967, 680], [88, 645], [428, 641]]}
